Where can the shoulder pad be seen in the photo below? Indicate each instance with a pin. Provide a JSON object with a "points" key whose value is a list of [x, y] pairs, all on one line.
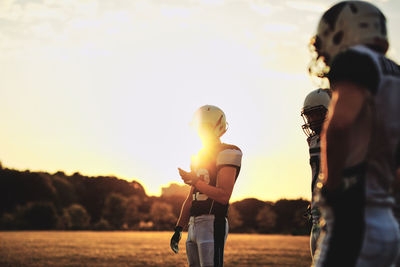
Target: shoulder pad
{"points": [[229, 155], [355, 66]]}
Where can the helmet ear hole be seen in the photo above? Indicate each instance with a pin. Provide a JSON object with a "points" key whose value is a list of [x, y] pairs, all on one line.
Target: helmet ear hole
{"points": [[338, 37]]}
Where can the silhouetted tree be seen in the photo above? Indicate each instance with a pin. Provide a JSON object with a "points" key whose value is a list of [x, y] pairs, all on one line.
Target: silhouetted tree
{"points": [[39, 215], [8, 222], [234, 219], [93, 191], [175, 201], [248, 209], [66, 194], [162, 216], [37, 200], [102, 224], [19, 188], [76, 217], [288, 214], [115, 210], [132, 215], [266, 220], [302, 226]]}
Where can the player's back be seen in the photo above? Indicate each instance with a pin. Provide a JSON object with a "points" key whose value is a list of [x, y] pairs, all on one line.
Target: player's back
{"points": [[360, 222], [385, 129], [376, 133]]}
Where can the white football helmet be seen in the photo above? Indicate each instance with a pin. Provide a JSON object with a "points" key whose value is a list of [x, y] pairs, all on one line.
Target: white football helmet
{"points": [[314, 111], [347, 24], [212, 118]]}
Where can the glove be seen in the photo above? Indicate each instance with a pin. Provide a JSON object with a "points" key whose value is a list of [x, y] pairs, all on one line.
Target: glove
{"points": [[307, 213], [176, 238], [189, 178]]}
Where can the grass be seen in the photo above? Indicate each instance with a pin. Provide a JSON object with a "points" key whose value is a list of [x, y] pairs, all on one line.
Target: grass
{"points": [[85, 248]]}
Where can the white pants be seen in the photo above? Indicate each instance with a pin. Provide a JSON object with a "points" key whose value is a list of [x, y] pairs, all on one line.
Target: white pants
{"points": [[378, 242], [315, 230], [315, 233], [206, 240]]}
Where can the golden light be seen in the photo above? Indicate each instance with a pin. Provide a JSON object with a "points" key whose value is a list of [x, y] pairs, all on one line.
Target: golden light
{"points": [[110, 88]]}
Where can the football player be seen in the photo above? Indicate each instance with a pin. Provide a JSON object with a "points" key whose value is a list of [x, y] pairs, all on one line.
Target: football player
{"points": [[213, 174], [359, 139], [314, 113]]}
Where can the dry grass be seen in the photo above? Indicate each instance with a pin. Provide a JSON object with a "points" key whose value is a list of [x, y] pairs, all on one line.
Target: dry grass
{"points": [[54, 248]]}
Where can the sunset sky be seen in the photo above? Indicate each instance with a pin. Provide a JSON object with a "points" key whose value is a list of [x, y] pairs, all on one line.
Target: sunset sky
{"points": [[108, 87]]}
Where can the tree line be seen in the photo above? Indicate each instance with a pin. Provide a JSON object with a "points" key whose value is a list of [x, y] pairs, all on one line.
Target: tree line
{"points": [[42, 201]]}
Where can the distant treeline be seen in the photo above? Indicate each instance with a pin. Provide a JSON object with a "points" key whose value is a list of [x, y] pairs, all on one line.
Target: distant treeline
{"points": [[39, 201]]}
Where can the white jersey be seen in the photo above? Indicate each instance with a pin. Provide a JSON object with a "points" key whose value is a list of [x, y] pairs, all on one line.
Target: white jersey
{"points": [[375, 135]]}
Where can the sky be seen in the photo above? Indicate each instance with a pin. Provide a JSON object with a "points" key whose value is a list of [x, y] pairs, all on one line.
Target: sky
{"points": [[109, 87]]}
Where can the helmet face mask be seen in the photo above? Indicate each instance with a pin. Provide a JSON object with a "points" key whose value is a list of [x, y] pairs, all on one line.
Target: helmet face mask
{"points": [[314, 111], [347, 24], [313, 118]]}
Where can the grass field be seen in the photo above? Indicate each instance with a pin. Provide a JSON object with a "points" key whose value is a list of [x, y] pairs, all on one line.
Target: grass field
{"points": [[55, 248]]}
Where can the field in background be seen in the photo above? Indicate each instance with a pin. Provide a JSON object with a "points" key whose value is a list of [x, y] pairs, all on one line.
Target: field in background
{"points": [[85, 248]]}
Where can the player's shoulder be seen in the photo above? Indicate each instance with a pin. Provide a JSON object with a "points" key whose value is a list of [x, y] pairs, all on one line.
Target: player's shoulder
{"points": [[229, 155], [358, 65], [358, 53], [225, 146], [381, 61]]}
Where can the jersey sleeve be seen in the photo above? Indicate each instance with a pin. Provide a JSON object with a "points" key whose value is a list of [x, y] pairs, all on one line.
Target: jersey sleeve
{"points": [[229, 157], [355, 67]]}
